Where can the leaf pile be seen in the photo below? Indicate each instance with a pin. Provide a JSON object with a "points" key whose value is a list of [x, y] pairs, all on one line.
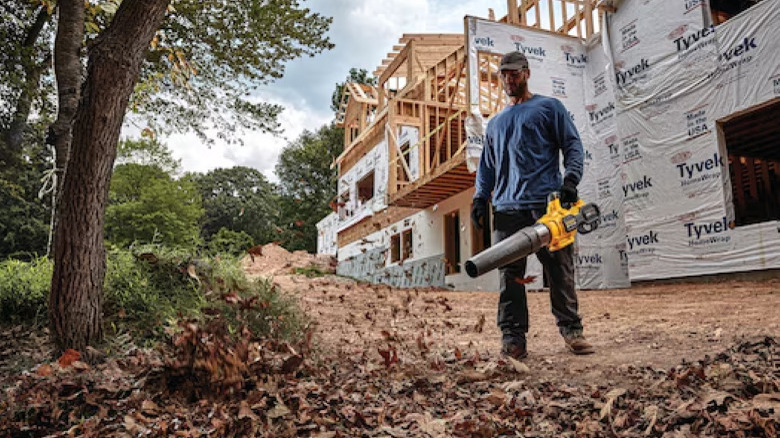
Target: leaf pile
{"points": [[278, 390]]}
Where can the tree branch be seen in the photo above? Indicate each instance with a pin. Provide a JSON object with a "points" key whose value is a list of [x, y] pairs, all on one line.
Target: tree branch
{"points": [[68, 71]]}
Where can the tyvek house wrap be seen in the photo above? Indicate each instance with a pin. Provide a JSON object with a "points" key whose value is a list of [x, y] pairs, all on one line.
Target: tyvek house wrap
{"points": [[646, 104]]}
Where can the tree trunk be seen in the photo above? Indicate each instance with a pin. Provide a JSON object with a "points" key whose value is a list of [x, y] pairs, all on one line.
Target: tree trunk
{"points": [[76, 298], [68, 71]]}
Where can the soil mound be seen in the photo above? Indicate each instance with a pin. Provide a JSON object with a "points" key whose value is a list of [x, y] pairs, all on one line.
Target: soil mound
{"points": [[271, 259]]}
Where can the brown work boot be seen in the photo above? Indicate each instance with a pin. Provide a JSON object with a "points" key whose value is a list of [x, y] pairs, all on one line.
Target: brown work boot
{"points": [[578, 344], [514, 350]]}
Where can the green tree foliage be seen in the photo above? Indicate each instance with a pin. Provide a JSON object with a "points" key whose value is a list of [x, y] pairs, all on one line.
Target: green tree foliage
{"points": [[208, 59], [25, 83], [147, 151], [146, 205], [229, 242], [238, 199], [307, 184], [360, 76], [201, 73], [24, 217]]}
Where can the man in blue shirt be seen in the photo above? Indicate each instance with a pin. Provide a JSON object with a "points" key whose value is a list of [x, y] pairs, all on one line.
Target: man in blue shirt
{"points": [[519, 166]]}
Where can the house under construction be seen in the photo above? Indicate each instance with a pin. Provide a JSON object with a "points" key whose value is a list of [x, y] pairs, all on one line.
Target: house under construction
{"points": [[676, 102]]}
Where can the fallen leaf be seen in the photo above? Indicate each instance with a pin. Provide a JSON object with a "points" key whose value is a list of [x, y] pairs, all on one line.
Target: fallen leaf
{"points": [[718, 397], [651, 412], [610, 396], [149, 407], [68, 357], [390, 356], [526, 280], [480, 325], [497, 397], [292, 363], [767, 401], [80, 366], [279, 410], [469, 376], [44, 370], [191, 272], [518, 366], [244, 411]]}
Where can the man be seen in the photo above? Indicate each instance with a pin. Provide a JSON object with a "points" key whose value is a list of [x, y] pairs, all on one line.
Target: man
{"points": [[520, 167]]}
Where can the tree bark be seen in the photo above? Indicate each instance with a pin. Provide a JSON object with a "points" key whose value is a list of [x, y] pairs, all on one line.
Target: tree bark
{"points": [[76, 298], [68, 72]]}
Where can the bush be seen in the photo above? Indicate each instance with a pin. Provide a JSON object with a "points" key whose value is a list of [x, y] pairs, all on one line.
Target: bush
{"points": [[24, 290], [256, 304], [147, 292], [311, 272]]}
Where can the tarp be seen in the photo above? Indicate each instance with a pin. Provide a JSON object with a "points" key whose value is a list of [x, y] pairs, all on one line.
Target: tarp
{"points": [[646, 100]]}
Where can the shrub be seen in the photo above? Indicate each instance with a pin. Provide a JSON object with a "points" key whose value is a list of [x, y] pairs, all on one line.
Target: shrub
{"points": [[311, 272], [147, 292], [24, 290], [266, 311]]}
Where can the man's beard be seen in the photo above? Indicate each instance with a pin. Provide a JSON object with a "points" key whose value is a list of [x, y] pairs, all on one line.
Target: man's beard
{"points": [[516, 91]]}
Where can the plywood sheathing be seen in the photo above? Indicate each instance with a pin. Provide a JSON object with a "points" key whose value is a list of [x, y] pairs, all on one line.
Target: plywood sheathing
{"points": [[372, 224]]}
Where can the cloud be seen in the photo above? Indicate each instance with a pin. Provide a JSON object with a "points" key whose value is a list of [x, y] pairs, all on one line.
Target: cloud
{"points": [[363, 32], [260, 151]]}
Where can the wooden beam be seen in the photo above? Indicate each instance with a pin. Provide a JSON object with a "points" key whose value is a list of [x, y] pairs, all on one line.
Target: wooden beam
{"points": [[513, 15], [588, 18], [397, 150], [550, 5], [395, 64], [440, 37]]}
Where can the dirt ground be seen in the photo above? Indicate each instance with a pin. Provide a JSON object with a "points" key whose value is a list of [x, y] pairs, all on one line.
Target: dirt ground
{"points": [[647, 325], [672, 361]]}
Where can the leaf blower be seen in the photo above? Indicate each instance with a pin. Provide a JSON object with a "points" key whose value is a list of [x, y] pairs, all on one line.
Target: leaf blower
{"points": [[555, 230]]}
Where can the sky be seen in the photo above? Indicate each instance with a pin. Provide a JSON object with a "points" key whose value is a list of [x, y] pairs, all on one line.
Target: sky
{"points": [[363, 32]]}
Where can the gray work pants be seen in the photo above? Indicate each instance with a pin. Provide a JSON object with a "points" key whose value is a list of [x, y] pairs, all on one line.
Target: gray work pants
{"points": [[559, 273]]}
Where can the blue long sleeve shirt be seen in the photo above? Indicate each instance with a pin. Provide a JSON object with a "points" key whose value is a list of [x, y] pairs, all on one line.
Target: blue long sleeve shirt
{"points": [[520, 162]]}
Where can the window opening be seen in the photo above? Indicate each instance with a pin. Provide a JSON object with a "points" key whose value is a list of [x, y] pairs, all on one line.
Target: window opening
{"points": [[395, 248], [723, 10], [401, 246], [452, 242], [406, 239], [752, 144], [365, 188], [343, 206]]}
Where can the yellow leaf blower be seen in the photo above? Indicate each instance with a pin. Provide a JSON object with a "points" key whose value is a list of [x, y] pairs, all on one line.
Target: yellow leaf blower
{"points": [[555, 230]]}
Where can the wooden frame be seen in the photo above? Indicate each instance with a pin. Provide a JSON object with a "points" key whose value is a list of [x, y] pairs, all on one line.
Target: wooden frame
{"points": [[580, 18], [435, 104], [423, 83]]}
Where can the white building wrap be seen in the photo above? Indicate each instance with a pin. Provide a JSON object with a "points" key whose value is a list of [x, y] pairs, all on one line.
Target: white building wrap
{"points": [[647, 100]]}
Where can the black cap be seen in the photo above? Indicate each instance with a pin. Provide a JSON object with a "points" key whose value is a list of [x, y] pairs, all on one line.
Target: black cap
{"points": [[513, 61]]}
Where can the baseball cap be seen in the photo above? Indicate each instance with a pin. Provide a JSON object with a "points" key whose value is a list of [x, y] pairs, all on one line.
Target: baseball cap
{"points": [[513, 61]]}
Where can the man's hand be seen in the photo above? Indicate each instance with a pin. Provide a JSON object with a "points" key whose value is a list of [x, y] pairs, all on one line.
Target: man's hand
{"points": [[568, 191], [478, 212]]}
